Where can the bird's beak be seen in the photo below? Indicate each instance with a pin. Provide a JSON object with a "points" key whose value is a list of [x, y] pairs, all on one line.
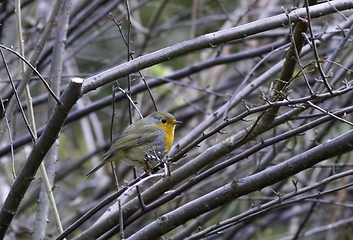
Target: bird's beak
{"points": [[177, 122]]}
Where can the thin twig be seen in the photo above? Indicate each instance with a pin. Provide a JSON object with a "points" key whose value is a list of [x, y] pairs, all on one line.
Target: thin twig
{"points": [[128, 55], [296, 52], [34, 70], [112, 164], [328, 113], [242, 84], [316, 53], [273, 204], [296, 103], [10, 139], [17, 97], [130, 100], [132, 57]]}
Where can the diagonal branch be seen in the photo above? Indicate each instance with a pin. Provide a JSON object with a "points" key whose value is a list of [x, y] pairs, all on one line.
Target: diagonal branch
{"points": [[26, 76], [210, 40], [244, 186], [40, 149]]}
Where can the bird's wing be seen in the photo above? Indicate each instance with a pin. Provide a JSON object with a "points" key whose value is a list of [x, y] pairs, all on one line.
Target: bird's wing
{"points": [[131, 138]]}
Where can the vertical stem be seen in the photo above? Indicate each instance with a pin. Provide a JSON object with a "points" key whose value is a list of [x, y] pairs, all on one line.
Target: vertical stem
{"points": [[34, 58]]}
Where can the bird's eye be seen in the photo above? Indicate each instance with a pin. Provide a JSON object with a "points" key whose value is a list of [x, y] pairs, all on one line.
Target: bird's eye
{"points": [[163, 120]]}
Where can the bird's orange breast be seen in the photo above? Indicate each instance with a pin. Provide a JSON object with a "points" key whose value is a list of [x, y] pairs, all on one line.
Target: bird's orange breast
{"points": [[168, 130]]}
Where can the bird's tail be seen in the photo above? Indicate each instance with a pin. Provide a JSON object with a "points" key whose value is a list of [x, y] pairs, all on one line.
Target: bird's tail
{"points": [[101, 164]]}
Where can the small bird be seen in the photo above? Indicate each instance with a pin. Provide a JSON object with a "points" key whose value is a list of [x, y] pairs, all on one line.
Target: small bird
{"points": [[153, 133]]}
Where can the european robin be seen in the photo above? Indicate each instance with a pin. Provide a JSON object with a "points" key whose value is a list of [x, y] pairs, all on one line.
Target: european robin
{"points": [[153, 133]]}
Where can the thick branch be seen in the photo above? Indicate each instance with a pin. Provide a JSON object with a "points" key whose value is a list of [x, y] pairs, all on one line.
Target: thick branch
{"points": [[211, 40], [40, 149], [34, 59], [237, 188], [286, 76]]}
